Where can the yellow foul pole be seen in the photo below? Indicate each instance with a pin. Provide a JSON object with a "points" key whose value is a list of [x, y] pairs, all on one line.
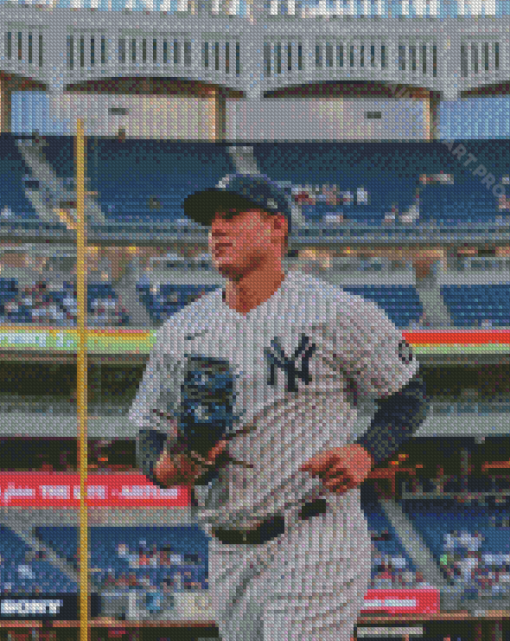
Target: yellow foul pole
{"points": [[81, 272]]}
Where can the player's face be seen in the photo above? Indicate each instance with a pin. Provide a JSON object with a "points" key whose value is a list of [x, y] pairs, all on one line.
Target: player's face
{"points": [[241, 241]]}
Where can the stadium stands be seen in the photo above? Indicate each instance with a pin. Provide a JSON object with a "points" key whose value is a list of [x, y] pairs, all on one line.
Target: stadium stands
{"points": [[142, 180], [388, 547], [401, 303], [13, 170], [481, 305], [39, 304], [389, 172], [169, 299], [23, 571], [465, 533], [152, 554]]}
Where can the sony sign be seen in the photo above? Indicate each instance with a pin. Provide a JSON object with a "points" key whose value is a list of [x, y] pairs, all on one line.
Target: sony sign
{"points": [[30, 607]]}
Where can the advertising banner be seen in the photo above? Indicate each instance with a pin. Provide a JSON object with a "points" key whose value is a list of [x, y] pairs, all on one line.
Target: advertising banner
{"points": [[402, 601], [52, 606], [63, 490], [133, 341]]}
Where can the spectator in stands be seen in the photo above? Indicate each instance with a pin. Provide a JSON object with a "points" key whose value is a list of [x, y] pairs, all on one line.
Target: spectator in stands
{"points": [[71, 302], [334, 218], [390, 217], [347, 197], [154, 600], [29, 556], [504, 577], [176, 558], [154, 203], [412, 214], [503, 203], [133, 581], [122, 581], [26, 297], [408, 577], [109, 303], [109, 580], [178, 581], [464, 541], [6, 213], [439, 482], [321, 196], [122, 551], [476, 541], [486, 323], [189, 583], [7, 588], [399, 562], [450, 540], [420, 581], [133, 560], [384, 579], [25, 571], [361, 196], [466, 565], [164, 560], [330, 195]]}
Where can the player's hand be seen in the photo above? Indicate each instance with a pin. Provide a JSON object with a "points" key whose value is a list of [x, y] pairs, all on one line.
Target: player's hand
{"points": [[181, 469], [342, 468]]}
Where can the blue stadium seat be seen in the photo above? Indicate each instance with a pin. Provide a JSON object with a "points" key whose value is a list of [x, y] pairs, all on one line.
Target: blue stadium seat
{"points": [[470, 304]]}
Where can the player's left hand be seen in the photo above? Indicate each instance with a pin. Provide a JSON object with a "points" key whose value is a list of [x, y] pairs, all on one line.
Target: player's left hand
{"points": [[341, 468]]}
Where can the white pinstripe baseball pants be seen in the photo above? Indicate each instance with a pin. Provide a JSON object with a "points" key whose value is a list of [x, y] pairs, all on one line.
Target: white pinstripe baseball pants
{"points": [[306, 585]]}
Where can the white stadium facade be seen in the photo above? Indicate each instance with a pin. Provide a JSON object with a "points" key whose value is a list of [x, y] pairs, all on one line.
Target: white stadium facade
{"points": [[219, 71]]}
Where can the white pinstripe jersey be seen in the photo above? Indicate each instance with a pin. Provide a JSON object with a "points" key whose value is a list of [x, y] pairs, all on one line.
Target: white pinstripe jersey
{"points": [[297, 362]]}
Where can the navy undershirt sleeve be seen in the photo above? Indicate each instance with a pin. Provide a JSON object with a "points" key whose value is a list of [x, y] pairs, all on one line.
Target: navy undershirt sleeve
{"points": [[149, 447], [398, 416]]}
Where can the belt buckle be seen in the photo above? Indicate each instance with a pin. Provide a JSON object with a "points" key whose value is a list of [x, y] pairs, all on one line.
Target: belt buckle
{"points": [[245, 535]]}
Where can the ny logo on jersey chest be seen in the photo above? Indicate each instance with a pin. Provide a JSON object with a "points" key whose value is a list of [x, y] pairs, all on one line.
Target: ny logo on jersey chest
{"points": [[294, 366]]}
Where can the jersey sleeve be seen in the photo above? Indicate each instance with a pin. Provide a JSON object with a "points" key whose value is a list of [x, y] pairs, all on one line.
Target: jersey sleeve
{"points": [[371, 350], [158, 390]]}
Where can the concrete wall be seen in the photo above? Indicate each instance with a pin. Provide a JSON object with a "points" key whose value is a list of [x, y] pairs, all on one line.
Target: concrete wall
{"points": [[304, 119], [148, 116]]}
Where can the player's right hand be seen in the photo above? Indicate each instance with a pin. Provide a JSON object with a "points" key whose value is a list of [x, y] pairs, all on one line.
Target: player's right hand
{"points": [[181, 469]]}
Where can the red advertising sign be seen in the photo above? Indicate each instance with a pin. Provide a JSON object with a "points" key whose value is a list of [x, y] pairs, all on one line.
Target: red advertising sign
{"points": [[422, 601], [36, 489]]}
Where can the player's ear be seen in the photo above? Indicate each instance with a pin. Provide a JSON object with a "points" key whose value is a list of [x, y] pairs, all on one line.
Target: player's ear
{"points": [[280, 224]]}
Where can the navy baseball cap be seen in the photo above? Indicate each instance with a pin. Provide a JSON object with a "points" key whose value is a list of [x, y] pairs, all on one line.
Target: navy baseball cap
{"points": [[239, 191]]}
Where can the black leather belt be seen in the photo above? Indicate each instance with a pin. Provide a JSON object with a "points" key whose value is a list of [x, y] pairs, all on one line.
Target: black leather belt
{"points": [[270, 528]]}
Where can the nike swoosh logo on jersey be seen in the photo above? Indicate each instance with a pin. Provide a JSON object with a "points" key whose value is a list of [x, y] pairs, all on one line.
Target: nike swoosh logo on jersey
{"points": [[190, 337]]}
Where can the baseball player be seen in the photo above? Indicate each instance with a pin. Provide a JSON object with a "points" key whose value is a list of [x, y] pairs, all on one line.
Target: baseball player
{"points": [[273, 365]]}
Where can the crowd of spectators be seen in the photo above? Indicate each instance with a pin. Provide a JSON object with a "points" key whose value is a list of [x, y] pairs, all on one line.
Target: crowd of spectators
{"points": [[24, 573], [465, 564], [329, 195], [152, 556], [392, 571], [45, 307]]}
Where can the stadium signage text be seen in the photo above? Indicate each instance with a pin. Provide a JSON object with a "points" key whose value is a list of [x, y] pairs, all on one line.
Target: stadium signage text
{"points": [[51, 606], [401, 601], [63, 490], [133, 341]]}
